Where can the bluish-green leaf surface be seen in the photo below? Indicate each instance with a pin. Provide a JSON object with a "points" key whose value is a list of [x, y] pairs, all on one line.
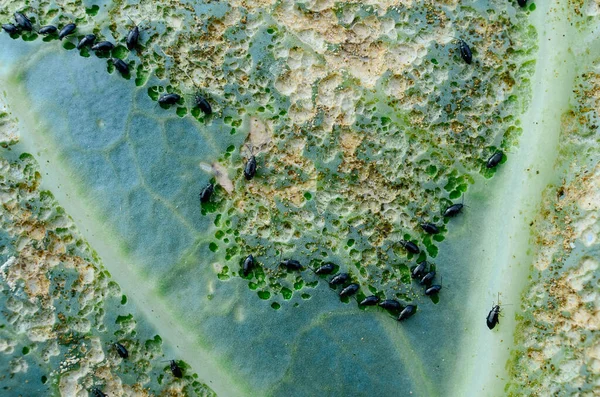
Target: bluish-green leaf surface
{"points": [[128, 172]]}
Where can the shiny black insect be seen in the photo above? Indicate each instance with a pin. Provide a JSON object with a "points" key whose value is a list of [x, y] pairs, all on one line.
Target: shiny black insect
{"points": [[120, 65], [453, 210], [200, 101], [23, 21], [203, 104], [493, 317], [206, 193], [325, 269], [408, 311], [370, 301], [168, 99], [419, 270], [428, 278], [247, 265], [121, 350], [465, 51], [175, 369], [522, 3], [133, 37], [9, 28], [67, 30], [103, 46], [48, 29], [339, 279], [98, 393], [349, 290], [250, 168], [495, 159], [410, 246], [87, 40], [291, 264], [430, 228], [390, 304], [434, 289]]}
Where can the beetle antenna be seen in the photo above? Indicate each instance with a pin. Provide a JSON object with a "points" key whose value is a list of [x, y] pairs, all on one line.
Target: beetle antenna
{"points": [[191, 80], [280, 256], [147, 19], [463, 202]]}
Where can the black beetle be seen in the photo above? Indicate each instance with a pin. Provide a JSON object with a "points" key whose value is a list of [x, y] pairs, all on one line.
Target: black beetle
{"points": [[408, 311], [176, 370], [291, 264], [169, 99], [419, 270], [48, 29], [120, 65], [250, 168], [98, 393], [67, 30], [247, 265], [325, 269], [430, 228], [200, 101], [465, 51], [121, 350], [522, 3], [428, 278], [370, 301], [434, 289], [349, 290], [495, 159], [453, 210], [87, 40], [9, 28], [339, 278], [132, 37], [206, 193], [203, 104], [410, 246], [103, 46], [23, 21], [493, 317], [390, 304]]}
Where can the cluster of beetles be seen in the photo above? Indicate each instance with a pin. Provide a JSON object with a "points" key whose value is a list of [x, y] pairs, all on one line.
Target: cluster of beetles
{"points": [[422, 273], [22, 23]]}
